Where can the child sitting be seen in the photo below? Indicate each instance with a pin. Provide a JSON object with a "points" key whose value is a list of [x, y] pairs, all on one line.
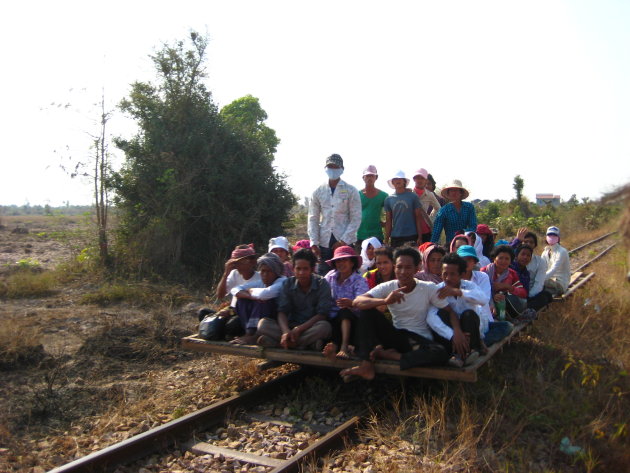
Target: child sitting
{"points": [[345, 284]]}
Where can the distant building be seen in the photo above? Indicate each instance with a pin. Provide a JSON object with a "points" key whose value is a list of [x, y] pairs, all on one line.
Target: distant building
{"points": [[546, 199]]}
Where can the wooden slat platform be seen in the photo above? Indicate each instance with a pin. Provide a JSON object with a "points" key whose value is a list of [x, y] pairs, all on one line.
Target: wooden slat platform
{"points": [[313, 358]]}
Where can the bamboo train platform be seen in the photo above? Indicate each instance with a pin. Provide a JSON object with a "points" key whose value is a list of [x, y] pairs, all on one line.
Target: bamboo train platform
{"points": [[316, 359]]}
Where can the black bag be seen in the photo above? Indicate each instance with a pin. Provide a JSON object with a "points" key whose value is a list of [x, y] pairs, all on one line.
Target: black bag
{"points": [[212, 327], [515, 305]]}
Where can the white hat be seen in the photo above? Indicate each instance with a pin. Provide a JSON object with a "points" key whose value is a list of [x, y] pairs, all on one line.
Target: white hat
{"points": [[455, 184], [278, 242], [398, 175]]}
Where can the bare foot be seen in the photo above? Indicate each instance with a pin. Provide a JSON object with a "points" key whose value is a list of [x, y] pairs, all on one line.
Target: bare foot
{"points": [[365, 370], [244, 340], [376, 353], [343, 354], [330, 350]]}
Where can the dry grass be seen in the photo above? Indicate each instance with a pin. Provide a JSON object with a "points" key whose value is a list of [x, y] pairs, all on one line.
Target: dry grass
{"points": [[28, 283], [19, 345]]}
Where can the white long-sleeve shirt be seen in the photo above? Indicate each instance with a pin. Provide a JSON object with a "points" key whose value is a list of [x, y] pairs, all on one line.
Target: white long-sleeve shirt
{"points": [[337, 214], [472, 297], [537, 268], [558, 266], [258, 289]]}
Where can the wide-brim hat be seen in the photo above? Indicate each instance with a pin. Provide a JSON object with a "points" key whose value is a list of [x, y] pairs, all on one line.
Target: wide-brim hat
{"points": [[278, 242], [455, 184], [398, 175], [343, 252]]}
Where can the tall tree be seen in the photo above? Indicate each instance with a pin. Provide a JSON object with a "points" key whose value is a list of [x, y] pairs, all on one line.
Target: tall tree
{"points": [[518, 186], [245, 115], [194, 183]]}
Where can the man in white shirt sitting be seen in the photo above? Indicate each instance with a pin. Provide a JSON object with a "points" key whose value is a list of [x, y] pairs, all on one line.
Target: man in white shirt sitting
{"points": [[407, 338], [558, 267]]}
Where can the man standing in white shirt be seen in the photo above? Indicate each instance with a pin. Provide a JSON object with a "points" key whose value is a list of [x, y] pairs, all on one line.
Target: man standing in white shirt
{"points": [[334, 214]]}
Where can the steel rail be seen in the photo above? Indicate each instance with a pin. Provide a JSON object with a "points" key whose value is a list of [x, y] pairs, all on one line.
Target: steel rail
{"points": [[166, 435], [591, 242], [596, 258]]}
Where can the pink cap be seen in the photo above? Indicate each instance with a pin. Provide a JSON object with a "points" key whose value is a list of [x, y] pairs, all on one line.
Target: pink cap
{"points": [[370, 170], [421, 172]]}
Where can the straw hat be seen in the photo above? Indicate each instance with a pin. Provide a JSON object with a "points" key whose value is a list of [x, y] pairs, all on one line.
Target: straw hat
{"points": [[455, 184]]}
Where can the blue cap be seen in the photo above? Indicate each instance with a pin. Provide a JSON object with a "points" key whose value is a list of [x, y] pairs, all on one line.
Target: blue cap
{"points": [[467, 251]]}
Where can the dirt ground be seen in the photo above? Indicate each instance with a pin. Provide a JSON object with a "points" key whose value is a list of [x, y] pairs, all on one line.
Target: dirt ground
{"points": [[93, 375]]}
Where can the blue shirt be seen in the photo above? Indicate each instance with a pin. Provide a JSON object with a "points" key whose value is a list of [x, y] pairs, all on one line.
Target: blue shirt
{"points": [[451, 221], [299, 306], [403, 209]]}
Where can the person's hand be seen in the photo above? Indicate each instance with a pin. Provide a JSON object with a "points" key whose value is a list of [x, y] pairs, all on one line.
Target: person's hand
{"points": [[419, 241], [316, 251], [344, 303], [520, 234], [460, 343], [501, 286], [448, 291], [498, 297], [395, 297], [230, 265]]}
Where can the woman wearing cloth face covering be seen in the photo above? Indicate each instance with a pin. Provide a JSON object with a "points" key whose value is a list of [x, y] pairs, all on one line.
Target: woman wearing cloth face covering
{"points": [[557, 259]]}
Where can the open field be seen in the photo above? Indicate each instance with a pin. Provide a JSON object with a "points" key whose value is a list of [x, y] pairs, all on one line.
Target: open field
{"points": [[91, 361]]}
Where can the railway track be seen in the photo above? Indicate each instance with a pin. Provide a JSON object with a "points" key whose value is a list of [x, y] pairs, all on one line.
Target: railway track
{"points": [[275, 427], [578, 264]]}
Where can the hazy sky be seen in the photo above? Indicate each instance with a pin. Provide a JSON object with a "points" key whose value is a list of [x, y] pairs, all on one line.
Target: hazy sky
{"points": [[478, 91]]}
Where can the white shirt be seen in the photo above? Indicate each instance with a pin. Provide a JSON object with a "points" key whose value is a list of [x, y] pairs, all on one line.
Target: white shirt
{"points": [[258, 289], [337, 214], [236, 279], [411, 314], [482, 280], [428, 199], [537, 268], [472, 297], [558, 267]]}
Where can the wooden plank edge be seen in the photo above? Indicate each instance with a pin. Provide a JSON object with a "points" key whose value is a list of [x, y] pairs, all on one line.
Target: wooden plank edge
{"points": [[312, 358], [204, 448]]}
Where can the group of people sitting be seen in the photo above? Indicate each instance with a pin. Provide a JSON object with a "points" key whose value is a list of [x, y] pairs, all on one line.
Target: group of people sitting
{"points": [[390, 296]]}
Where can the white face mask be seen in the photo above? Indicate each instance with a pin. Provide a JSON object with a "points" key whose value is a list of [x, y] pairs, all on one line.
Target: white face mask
{"points": [[552, 239], [334, 174]]}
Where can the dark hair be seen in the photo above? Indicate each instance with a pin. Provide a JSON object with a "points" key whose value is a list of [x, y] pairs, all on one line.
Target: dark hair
{"points": [[522, 247], [431, 180], [439, 249], [384, 251], [408, 251], [454, 258], [305, 254], [488, 245], [533, 236], [355, 263], [472, 236], [503, 249]]}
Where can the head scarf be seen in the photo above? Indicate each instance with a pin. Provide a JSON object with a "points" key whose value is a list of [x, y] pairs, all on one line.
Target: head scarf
{"points": [[240, 253], [483, 260], [425, 275], [368, 263], [464, 236], [274, 263]]}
